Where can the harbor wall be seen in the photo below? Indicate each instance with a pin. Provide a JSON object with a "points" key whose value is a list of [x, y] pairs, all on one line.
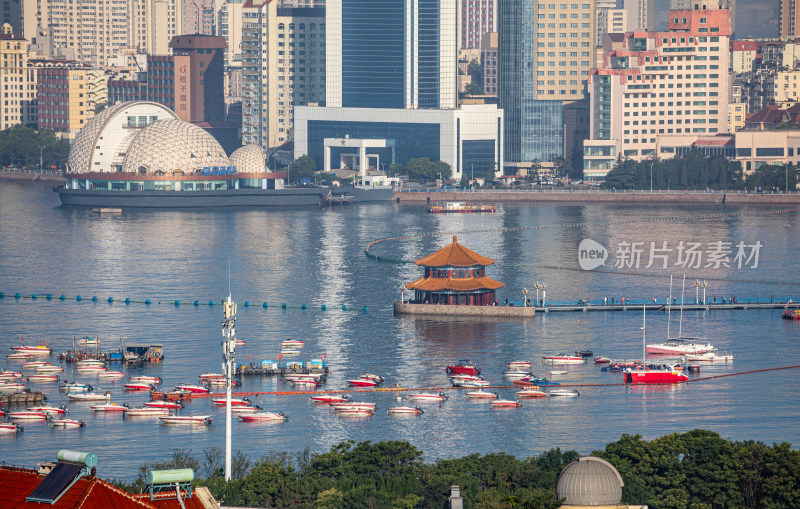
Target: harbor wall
{"points": [[405, 308], [579, 196], [26, 176]]}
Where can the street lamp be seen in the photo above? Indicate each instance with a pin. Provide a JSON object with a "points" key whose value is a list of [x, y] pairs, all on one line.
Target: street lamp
{"points": [[524, 297], [544, 294], [704, 284], [696, 291], [537, 286], [41, 158], [402, 293], [651, 177]]}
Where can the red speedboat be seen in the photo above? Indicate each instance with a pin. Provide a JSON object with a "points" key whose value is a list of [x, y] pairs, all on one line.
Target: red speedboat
{"points": [[602, 360], [10, 427], [532, 392], [67, 423], [50, 410], [137, 386], [147, 379], [234, 401], [195, 389], [28, 415], [10, 375], [464, 367], [561, 358], [501, 403], [405, 410], [43, 378], [170, 405], [262, 416], [363, 382], [329, 398]]}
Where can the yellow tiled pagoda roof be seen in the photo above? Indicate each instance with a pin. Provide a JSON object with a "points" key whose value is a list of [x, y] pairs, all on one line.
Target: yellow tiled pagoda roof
{"points": [[454, 255]]}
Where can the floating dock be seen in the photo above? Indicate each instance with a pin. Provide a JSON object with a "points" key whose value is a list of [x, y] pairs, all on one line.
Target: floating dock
{"points": [[712, 306], [22, 398], [258, 371]]}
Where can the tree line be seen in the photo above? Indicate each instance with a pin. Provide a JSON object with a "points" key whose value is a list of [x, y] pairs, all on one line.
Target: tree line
{"points": [[694, 170], [22, 147], [698, 469]]}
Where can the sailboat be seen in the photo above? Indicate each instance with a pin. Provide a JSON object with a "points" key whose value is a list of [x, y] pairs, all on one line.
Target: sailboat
{"points": [[645, 374], [681, 345]]}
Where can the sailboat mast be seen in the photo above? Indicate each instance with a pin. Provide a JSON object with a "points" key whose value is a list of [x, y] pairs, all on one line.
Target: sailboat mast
{"points": [[680, 323], [644, 334], [669, 305]]}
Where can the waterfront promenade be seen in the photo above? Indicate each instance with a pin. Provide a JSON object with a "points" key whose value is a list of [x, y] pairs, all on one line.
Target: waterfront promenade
{"points": [[581, 306], [595, 196]]}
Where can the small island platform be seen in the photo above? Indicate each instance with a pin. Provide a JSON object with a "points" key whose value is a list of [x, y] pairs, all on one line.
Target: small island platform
{"points": [[408, 308]]}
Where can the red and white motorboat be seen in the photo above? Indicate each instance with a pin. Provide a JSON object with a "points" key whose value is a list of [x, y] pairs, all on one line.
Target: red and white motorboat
{"points": [[306, 382], [459, 381], [244, 409], [293, 343], [351, 405], [10, 375], [108, 407], [146, 411], [363, 382], [356, 412], [234, 401], [654, 375], [42, 349], [187, 419], [154, 380], [89, 396], [562, 358], [49, 369], [35, 364], [601, 359], [680, 347], [220, 382], [427, 396], [211, 376], [516, 374], [330, 398], [9, 427], [27, 415], [11, 387], [91, 369], [43, 378], [505, 403], [481, 395], [240, 342], [533, 392], [111, 375], [262, 416], [90, 362], [67, 423], [405, 410], [464, 367], [194, 389], [21, 356], [137, 386], [169, 405], [520, 366], [49, 410]]}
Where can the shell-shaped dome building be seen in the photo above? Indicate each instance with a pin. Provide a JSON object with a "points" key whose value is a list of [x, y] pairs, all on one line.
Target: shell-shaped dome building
{"points": [[590, 482], [169, 145], [249, 158]]}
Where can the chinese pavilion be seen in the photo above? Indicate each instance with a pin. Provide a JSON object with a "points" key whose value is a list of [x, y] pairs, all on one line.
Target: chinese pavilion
{"points": [[455, 275]]}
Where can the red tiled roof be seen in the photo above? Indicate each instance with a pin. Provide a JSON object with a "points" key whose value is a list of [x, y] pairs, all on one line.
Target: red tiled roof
{"points": [[435, 284], [87, 493], [743, 45], [454, 255]]}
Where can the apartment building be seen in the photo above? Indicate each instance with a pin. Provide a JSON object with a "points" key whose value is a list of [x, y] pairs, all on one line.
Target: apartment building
{"points": [[789, 18], [658, 87], [477, 17], [489, 61], [17, 96], [69, 93], [743, 56]]}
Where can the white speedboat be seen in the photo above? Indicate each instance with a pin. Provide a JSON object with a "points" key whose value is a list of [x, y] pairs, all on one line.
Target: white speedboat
{"points": [[520, 365], [21, 356], [49, 368], [88, 341], [146, 411], [710, 357], [42, 349], [9, 375], [516, 374], [9, 427], [67, 423], [292, 343], [481, 395], [350, 405], [11, 387], [111, 375], [89, 396], [187, 419], [505, 403], [49, 410], [90, 362], [91, 369], [563, 392], [27, 415], [262, 416], [356, 412], [137, 386], [170, 405], [196, 389], [154, 380], [531, 393], [43, 378], [405, 410], [561, 358], [329, 398], [211, 376], [74, 387], [234, 402], [244, 409], [427, 396], [35, 364], [108, 407]]}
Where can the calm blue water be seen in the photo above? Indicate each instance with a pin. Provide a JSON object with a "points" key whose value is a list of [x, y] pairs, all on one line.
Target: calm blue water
{"points": [[316, 257]]}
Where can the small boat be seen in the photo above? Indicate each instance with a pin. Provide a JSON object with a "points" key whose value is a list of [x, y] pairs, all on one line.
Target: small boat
{"points": [[221, 382], [502, 403], [710, 357], [481, 395], [137, 386], [67, 423], [146, 411], [791, 312], [10, 375], [602, 360], [405, 410], [558, 373], [169, 405], [562, 358], [244, 409], [584, 353], [75, 387], [211, 376], [262, 416], [680, 346], [11, 387], [460, 382], [88, 341], [186, 419], [112, 375], [519, 365], [534, 380], [90, 362], [365, 381], [28, 415], [294, 343], [464, 367], [240, 342], [43, 378], [563, 392], [42, 349], [109, 407], [49, 410], [91, 369], [49, 369], [329, 398], [349, 405], [427, 396], [295, 376], [516, 374], [89, 396], [35, 364], [9, 427], [234, 401], [195, 389], [290, 351], [356, 412], [308, 382], [532, 392], [21, 356], [155, 380]]}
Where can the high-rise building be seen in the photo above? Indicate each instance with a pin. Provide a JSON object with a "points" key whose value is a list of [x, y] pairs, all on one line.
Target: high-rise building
{"points": [[11, 12], [490, 58], [16, 93], [685, 5], [198, 17], [69, 94], [659, 91], [546, 52], [639, 14], [477, 17], [789, 19], [391, 92]]}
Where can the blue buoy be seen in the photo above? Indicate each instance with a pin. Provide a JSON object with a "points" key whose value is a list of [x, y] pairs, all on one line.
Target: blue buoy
{"points": [[147, 302], [127, 300], [303, 306], [110, 300], [94, 298], [177, 302], [247, 303], [211, 303], [364, 309], [266, 305], [78, 298], [344, 307], [34, 296], [17, 295], [63, 297], [49, 297], [283, 305], [196, 303], [324, 307]]}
